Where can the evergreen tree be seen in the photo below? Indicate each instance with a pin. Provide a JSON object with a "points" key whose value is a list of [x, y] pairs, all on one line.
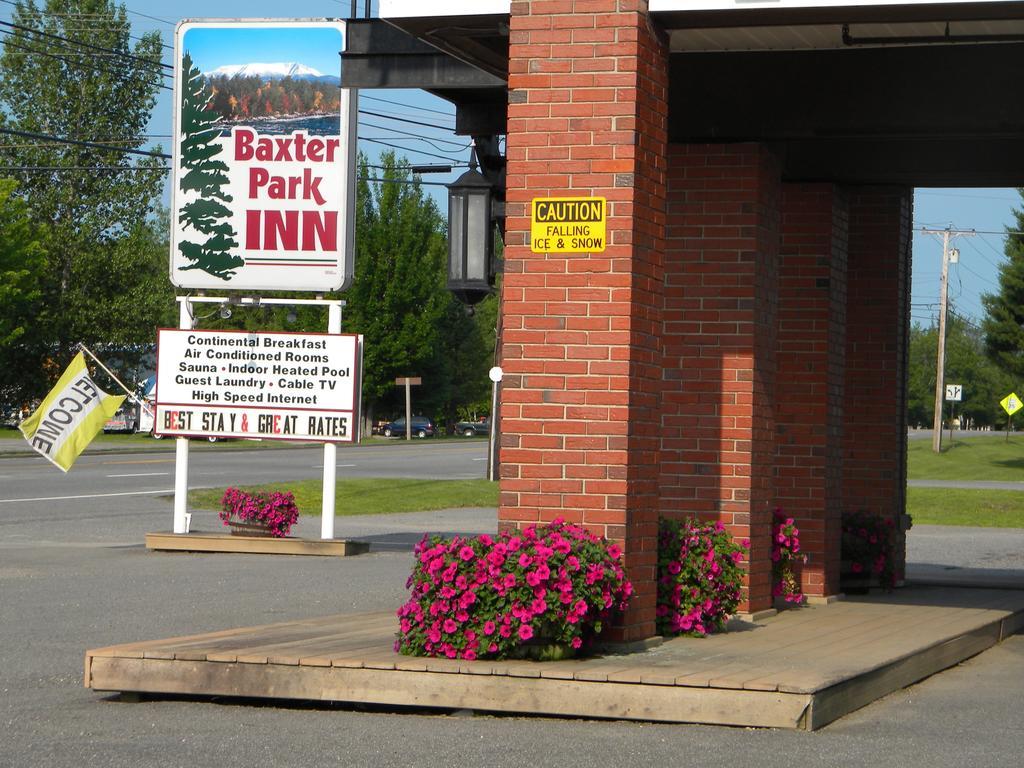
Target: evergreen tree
{"points": [[984, 383], [88, 203], [412, 324], [206, 176], [1004, 322], [22, 261]]}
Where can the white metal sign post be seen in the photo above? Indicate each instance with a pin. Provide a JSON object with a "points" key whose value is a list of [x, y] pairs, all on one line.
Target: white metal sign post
{"points": [[262, 198], [260, 385]]}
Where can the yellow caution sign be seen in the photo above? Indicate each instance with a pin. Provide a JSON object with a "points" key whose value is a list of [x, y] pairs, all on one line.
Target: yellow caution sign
{"points": [[1011, 403], [568, 225]]}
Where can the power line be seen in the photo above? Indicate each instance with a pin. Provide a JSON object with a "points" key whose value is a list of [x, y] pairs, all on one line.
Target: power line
{"points": [[970, 197], [62, 58], [410, 106], [90, 46], [458, 144], [408, 149], [90, 168], [88, 144], [405, 120]]}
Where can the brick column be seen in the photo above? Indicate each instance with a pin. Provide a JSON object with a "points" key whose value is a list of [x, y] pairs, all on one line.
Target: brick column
{"points": [[581, 349], [877, 326], [721, 282], [811, 361]]}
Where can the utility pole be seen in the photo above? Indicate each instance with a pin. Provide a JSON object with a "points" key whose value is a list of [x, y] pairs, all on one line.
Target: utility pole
{"points": [[940, 364]]}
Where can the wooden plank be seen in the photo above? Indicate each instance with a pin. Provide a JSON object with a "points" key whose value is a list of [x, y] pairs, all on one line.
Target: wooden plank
{"points": [[480, 692], [226, 543], [852, 694], [184, 640]]}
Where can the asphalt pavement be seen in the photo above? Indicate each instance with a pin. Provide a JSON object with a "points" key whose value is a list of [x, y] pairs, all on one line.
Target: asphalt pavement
{"points": [[75, 575]]}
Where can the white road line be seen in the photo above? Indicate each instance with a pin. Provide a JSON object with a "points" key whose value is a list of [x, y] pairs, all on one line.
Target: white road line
{"points": [[481, 459], [337, 466], [86, 496], [141, 474]]}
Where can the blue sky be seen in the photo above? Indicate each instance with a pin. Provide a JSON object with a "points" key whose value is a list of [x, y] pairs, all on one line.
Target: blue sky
{"points": [[431, 141], [316, 47]]}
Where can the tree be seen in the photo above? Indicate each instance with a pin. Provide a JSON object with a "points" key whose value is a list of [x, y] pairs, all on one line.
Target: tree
{"points": [[412, 324], [96, 203], [984, 383], [22, 261], [205, 175], [1004, 321]]}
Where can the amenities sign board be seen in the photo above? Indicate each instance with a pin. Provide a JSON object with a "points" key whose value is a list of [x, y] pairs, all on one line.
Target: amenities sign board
{"points": [[279, 386], [568, 225], [263, 157]]}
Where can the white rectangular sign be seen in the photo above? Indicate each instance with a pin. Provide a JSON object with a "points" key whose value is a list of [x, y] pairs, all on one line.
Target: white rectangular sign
{"points": [[954, 392], [284, 386], [264, 144]]}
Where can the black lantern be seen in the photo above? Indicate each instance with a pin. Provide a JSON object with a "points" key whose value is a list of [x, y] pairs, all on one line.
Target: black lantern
{"points": [[470, 236]]}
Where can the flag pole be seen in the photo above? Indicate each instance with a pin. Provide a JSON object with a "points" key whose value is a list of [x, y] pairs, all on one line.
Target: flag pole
{"points": [[131, 395]]}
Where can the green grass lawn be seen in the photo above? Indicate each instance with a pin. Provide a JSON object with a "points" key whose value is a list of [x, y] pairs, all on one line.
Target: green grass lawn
{"points": [[373, 496], [973, 458], [957, 506]]}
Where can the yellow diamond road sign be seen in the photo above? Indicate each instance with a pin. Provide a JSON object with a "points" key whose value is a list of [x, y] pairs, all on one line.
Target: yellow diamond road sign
{"points": [[1011, 403], [568, 224]]}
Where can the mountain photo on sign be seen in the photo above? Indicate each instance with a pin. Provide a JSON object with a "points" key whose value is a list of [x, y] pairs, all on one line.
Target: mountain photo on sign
{"points": [[263, 156]]}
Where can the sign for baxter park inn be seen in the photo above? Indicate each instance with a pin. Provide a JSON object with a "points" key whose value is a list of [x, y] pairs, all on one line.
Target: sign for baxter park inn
{"points": [[263, 157], [283, 386]]}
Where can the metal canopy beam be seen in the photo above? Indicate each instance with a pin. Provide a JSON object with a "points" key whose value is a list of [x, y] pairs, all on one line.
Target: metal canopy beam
{"points": [[382, 56], [920, 163], [379, 55], [921, 115]]}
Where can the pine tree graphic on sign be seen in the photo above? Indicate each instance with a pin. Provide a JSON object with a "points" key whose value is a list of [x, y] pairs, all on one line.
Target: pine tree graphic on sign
{"points": [[207, 215]]}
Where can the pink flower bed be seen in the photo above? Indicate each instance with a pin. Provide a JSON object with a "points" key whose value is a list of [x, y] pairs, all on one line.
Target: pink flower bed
{"points": [[487, 597], [274, 511], [699, 577], [786, 558]]}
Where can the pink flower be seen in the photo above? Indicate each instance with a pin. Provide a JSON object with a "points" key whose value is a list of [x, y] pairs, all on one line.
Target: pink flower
{"points": [[450, 626], [467, 553], [576, 642], [674, 567], [525, 632], [489, 627]]}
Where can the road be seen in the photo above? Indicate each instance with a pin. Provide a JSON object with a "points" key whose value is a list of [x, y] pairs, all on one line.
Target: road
{"points": [[74, 575], [125, 495]]}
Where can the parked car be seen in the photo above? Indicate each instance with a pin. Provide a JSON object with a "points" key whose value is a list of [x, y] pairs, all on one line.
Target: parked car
{"points": [[122, 421], [473, 428], [421, 427]]}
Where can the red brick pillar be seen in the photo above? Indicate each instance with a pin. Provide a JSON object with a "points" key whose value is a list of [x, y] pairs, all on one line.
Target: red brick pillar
{"points": [[581, 349], [811, 360], [877, 326], [721, 282]]}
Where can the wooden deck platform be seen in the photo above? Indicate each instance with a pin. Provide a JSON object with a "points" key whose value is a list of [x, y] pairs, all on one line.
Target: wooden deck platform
{"points": [[253, 545], [801, 669]]}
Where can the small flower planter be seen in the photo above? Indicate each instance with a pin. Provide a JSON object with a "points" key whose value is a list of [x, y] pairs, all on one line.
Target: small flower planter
{"points": [[239, 528], [258, 514], [853, 583]]}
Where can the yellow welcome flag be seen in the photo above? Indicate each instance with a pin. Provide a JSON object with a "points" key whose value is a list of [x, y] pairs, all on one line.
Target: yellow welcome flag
{"points": [[70, 417]]}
